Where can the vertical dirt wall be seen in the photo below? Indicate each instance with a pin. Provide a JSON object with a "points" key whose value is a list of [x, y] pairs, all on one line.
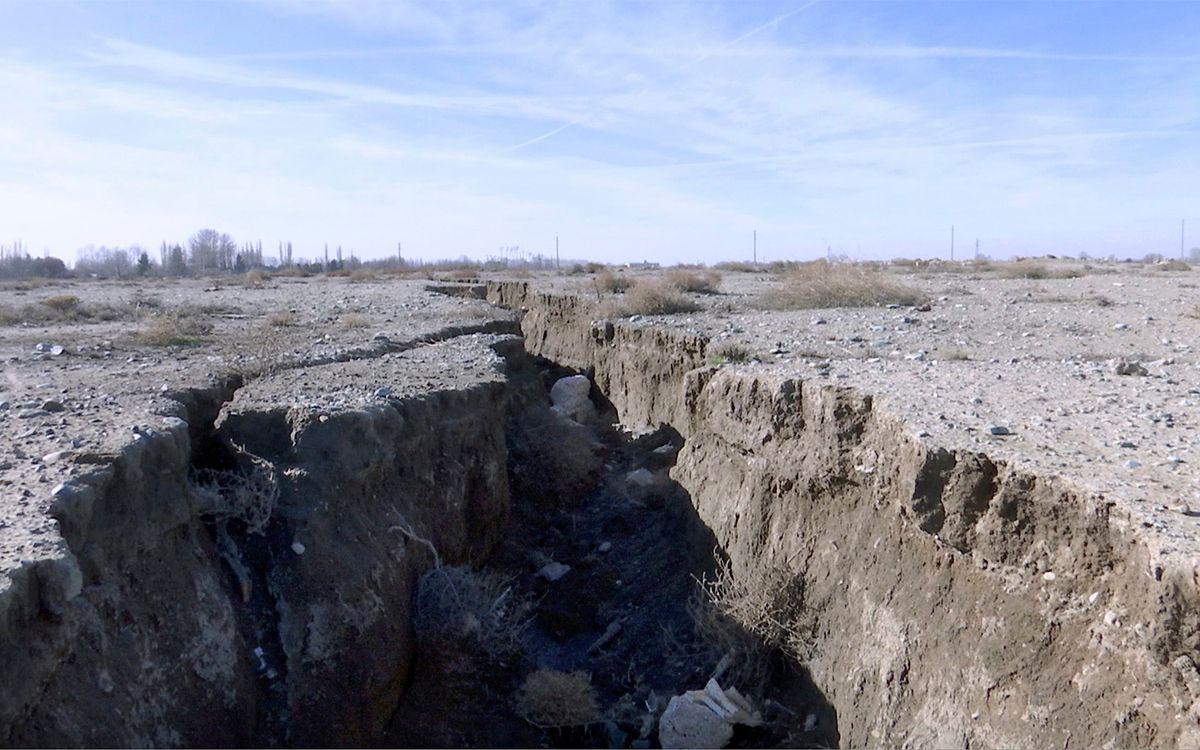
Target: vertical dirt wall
{"points": [[954, 600]]}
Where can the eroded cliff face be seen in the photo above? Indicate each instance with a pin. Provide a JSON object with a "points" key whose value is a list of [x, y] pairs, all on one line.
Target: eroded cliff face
{"points": [[952, 599], [164, 623]]}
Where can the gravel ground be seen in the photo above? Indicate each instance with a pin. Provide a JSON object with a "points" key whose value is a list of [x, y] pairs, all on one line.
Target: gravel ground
{"points": [[76, 391], [1095, 378], [1038, 360]]}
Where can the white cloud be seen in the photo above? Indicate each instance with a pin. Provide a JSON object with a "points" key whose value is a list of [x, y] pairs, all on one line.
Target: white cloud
{"points": [[668, 132]]}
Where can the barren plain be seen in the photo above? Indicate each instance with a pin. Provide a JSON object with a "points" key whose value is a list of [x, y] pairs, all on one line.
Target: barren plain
{"points": [[983, 498]]}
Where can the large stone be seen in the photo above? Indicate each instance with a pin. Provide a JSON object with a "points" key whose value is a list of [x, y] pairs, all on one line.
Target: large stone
{"points": [[689, 723], [569, 397]]}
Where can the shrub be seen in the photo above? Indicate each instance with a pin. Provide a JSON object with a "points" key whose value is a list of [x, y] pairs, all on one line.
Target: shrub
{"points": [[1029, 269], [653, 298], [729, 354], [62, 303], [607, 281], [479, 609], [749, 616], [703, 282], [353, 320], [249, 497], [285, 319], [1173, 265], [739, 266], [821, 284], [174, 330], [550, 699]]}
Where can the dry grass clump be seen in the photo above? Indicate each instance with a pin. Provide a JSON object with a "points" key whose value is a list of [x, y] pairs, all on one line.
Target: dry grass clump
{"points": [[739, 266], [743, 619], [549, 699], [65, 308], [608, 282], [1030, 269], [1173, 265], [729, 354], [352, 320], [282, 319], [253, 279], [174, 329], [472, 607], [701, 282], [249, 497], [294, 272], [821, 284], [62, 303], [653, 298]]}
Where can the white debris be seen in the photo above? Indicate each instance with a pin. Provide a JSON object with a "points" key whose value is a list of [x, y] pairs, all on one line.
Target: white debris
{"points": [[640, 478], [552, 571], [569, 397], [705, 718]]}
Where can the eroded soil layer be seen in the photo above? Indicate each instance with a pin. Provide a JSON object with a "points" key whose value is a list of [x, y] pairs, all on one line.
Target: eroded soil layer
{"points": [[239, 562], [957, 599]]}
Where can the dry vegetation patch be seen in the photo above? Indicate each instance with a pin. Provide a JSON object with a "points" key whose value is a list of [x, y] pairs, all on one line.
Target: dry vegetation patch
{"points": [[694, 282], [744, 618], [611, 283], [550, 699], [1030, 269], [174, 329], [479, 609], [821, 284], [653, 297], [65, 308]]}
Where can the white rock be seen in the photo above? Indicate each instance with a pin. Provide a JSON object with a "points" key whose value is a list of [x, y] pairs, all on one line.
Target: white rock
{"points": [[686, 723], [553, 571], [1111, 619], [569, 397], [298, 548], [640, 478], [605, 546], [1049, 576], [705, 718]]}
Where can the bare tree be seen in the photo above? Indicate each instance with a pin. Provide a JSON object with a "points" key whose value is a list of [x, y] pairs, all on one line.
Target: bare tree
{"points": [[211, 250]]}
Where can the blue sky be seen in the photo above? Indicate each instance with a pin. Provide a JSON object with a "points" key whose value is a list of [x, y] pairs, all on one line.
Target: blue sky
{"points": [[656, 130]]}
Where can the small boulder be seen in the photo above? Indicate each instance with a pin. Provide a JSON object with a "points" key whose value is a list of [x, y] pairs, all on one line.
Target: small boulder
{"points": [[687, 723], [552, 571], [569, 398]]}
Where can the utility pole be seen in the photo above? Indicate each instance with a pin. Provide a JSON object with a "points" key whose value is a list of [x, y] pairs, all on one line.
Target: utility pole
{"points": [[951, 242], [557, 260], [977, 248], [399, 253], [756, 248]]}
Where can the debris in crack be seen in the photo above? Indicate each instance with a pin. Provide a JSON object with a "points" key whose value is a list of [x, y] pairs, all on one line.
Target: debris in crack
{"points": [[610, 568]]}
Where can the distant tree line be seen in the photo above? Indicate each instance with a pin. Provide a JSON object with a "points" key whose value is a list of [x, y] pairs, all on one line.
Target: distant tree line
{"points": [[207, 252], [16, 263]]}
